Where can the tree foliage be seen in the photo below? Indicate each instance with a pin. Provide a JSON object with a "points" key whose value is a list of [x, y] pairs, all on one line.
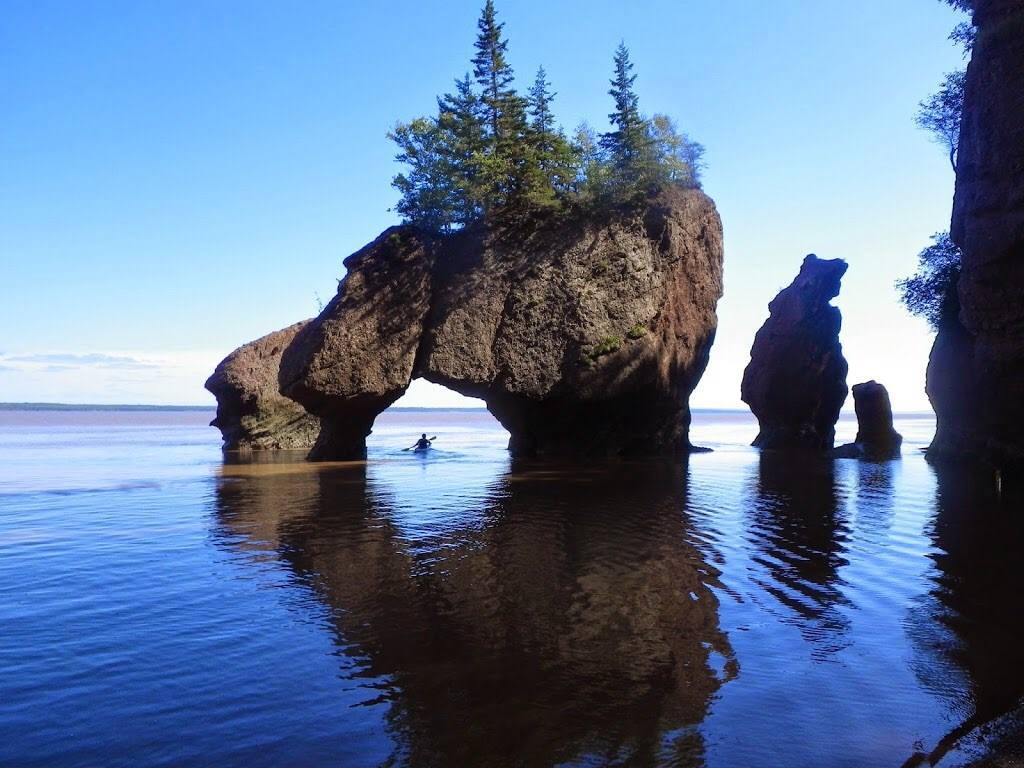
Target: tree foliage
{"points": [[629, 146], [931, 291], [491, 151], [677, 160], [940, 113]]}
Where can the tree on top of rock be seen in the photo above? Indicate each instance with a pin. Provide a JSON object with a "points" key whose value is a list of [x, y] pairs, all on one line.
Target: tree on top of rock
{"points": [[493, 72], [491, 152], [460, 119], [554, 162], [629, 144], [506, 163], [678, 160]]}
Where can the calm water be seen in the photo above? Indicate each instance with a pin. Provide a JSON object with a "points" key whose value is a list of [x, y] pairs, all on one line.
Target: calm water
{"points": [[161, 607]]}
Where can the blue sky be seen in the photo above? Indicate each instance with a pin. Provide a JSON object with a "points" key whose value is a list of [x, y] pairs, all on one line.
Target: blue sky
{"points": [[178, 178]]}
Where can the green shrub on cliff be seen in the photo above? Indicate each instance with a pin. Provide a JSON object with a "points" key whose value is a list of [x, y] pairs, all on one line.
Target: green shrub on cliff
{"points": [[931, 291], [491, 151]]}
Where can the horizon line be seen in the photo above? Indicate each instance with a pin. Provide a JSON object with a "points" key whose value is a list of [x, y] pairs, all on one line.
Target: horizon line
{"points": [[44, 406]]}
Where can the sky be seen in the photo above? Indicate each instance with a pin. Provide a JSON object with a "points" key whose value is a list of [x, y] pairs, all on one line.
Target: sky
{"points": [[180, 177]]}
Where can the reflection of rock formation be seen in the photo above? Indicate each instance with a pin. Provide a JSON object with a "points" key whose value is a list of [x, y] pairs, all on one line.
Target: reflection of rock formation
{"points": [[874, 500], [572, 619], [970, 625], [798, 538]]}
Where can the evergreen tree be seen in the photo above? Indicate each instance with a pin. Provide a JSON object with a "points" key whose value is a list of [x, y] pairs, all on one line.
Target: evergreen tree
{"points": [[552, 167], [460, 120], [490, 150], [492, 71], [506, 165], [542, 121], [629, 145]]}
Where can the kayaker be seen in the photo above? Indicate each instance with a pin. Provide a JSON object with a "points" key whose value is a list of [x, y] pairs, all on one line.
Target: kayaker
{"points": [[422, 444]]}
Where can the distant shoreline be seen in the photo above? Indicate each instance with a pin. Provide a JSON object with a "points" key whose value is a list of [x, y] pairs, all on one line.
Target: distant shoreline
{"points": [[401, 409], [143, 407], [100, 407]]}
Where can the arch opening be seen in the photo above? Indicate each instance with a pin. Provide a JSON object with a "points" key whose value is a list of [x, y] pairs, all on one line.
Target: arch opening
{"points": [[459, 423]]}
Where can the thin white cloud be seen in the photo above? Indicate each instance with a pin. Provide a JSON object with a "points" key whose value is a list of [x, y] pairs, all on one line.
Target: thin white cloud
{"points": [[106, 377], [63, 360]]}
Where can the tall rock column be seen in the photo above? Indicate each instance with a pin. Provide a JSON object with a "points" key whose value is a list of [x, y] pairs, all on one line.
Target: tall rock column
{"points": [[976, 372], [795, 382], [877, 439]]}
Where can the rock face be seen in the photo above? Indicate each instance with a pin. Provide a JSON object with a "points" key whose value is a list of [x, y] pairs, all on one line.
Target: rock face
{"points": [[795, 382], [876, 439], [252, 414], [357, 357], [976, 371], [582, 336]]}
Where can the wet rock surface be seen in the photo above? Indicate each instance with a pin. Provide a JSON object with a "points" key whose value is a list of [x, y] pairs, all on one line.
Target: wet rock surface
{"points": [[795, 383]]}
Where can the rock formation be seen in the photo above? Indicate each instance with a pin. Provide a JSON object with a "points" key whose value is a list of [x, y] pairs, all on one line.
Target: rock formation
{"points": [[583, 336], [357, 357], [976, 371], [252, 414], [876, 439], [795, 382]]}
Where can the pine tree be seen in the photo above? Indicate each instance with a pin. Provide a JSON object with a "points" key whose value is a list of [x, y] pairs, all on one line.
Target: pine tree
{"points": [[542, 120], [461, 121], [629, 145], [553, 166], [493, 72], [506, 164]]}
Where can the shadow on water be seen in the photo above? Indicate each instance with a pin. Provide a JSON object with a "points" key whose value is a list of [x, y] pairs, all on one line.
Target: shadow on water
{"points": [[798, 539], [968, 630], [565, 614]]}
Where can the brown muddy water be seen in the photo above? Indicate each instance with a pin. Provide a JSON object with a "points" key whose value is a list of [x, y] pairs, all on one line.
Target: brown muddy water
{"points": [[159, 606]]}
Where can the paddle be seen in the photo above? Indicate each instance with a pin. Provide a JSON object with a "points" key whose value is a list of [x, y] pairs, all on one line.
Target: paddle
{"points": [[431, 439]]}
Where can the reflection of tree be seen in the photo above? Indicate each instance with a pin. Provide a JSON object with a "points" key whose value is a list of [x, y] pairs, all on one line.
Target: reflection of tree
{"points": [[574, 620], [798, 540], [968, 629]]}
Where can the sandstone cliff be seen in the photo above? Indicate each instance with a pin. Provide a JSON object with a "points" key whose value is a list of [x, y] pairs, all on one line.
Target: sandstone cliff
{"points": [[795, 382], [357, 357], [252, 414], [976, 371], [583, 336]]}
